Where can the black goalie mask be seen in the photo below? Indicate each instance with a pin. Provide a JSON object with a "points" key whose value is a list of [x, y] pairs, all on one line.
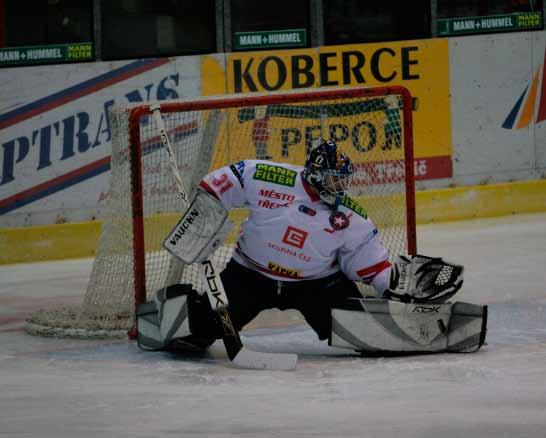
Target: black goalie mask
{"points": [[330, 171]]}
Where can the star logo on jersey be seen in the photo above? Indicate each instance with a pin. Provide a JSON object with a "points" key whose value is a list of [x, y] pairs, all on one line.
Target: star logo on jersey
{"points": [[339, 221], [295, 237]]}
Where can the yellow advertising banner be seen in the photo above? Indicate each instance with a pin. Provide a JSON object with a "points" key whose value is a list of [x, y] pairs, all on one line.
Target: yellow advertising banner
{"points": [[420, 66]]}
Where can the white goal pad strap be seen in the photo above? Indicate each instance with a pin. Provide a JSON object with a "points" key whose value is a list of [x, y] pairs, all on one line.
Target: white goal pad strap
{"points": [[202, 229], [378, 326]]}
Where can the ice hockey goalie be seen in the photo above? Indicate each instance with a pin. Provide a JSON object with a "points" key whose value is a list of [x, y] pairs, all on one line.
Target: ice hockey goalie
{"points": [[304, 245]]}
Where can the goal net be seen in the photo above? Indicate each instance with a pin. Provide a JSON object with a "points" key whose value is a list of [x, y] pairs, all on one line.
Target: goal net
{"points": [[373, 125]]}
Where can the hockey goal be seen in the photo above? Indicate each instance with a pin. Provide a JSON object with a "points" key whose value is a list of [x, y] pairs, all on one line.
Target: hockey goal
{"points": [[373, 125]]}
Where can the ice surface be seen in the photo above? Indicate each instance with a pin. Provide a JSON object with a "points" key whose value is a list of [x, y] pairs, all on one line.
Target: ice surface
{"points": [[67, 388]]}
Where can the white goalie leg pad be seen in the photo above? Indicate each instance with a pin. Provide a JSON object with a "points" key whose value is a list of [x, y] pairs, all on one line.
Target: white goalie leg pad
{"points": [[163, 318], [382, 326], [178, 318], [203, 228]]}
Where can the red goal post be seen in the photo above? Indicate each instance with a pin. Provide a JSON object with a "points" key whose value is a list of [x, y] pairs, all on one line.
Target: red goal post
{"points": [[373, 125]]}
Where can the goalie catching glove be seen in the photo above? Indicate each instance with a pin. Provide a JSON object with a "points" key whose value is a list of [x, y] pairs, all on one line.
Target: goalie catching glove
{"points": [[422, 279], [203, 228]]}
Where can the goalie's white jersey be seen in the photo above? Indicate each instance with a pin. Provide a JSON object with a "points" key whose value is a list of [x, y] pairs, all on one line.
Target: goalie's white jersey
{"points": [[290, 234]]}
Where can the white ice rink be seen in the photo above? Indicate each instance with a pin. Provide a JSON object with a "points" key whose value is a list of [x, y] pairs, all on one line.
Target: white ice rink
{"points": [[51, 388]]}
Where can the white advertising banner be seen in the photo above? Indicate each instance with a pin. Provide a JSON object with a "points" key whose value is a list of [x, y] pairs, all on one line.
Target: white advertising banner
{"points": [[55, 135], [498, 107]]}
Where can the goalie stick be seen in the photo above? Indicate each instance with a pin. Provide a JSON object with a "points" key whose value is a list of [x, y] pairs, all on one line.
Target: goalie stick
{"points": [[237, 353]]}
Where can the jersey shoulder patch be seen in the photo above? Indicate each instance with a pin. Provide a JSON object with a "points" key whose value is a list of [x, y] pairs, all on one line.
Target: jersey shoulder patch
{"points": [[354, 206], [275, 174], [238, 169]]}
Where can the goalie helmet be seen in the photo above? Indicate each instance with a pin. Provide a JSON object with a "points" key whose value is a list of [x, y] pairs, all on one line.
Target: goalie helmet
{"points": [[330, 171]]}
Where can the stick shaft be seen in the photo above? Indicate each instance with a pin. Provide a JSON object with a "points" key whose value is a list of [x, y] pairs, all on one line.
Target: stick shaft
{"points": [[215, 288]]}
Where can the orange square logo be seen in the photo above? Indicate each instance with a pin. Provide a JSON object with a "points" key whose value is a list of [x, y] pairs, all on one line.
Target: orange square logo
{"points": [[295, 237]]}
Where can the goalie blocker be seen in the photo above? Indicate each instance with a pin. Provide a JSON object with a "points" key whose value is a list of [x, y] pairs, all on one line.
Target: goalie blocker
{"points": [[202, 229]]}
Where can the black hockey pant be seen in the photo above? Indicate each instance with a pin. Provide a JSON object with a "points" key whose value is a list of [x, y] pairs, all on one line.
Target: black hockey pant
{"points": [[250, 292]]}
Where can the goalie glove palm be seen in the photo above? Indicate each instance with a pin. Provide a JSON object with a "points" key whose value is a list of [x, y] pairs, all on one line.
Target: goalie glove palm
{"points": [[422, 279]]}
